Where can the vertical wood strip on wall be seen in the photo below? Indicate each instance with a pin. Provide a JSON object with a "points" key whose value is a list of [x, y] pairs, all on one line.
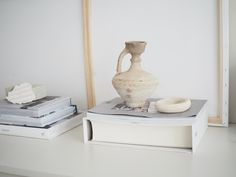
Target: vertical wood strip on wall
{"points": [[224, 61], [223, 68], [218, 120], [88, 54], [220, 59]]}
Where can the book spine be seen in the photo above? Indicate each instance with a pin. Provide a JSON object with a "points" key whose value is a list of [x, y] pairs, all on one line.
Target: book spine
{"points": [[40, 110], [37, 112], [41, 122], [42, 133], [22, 112], [22, 131]]}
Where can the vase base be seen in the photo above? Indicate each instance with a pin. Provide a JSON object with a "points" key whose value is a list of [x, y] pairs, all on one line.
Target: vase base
{"points": [[135, 105]]}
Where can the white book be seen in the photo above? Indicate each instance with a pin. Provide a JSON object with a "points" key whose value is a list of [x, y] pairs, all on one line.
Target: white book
{"points": [[139, 131], [38, 122], [111, 122], [47, 132], [35, 108]]}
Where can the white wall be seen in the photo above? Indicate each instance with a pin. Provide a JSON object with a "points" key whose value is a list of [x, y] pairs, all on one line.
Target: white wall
{"points": [[41, 42], [181, 51], [232, 56]]}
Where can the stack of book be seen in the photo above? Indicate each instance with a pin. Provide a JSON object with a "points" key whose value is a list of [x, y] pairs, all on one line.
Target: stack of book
{"points": [[44, 118]]}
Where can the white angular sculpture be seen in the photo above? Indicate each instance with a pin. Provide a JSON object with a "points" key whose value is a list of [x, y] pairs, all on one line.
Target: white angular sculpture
{"points": [[173, 105], [25, 92]]}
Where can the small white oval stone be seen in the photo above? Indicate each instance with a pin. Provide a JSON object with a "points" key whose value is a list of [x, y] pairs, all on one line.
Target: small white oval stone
{"points": [[173, 105]]}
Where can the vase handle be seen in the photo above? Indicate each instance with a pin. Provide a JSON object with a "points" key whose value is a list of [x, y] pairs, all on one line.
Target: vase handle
{"points": [[120, 59]]}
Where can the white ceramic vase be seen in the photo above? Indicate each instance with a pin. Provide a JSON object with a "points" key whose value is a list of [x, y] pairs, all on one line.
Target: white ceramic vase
{"points": [[135, 85]]}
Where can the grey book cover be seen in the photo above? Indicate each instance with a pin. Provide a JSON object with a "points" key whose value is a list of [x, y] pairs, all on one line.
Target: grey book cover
{"points": [[117, 106]]}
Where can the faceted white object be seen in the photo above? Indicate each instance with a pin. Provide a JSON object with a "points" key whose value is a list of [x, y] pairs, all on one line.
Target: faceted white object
{"points": [[25, 92]]}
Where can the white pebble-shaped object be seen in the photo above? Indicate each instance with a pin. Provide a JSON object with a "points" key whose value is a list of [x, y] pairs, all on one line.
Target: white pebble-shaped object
{"points": [[173, 105]]}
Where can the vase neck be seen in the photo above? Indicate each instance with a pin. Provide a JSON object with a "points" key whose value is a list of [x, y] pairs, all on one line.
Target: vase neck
{"points": [[135, 58], [135, 62]]}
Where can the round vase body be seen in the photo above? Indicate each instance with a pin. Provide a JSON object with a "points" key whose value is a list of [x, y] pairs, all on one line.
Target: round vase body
{"points": [[135, 85]]}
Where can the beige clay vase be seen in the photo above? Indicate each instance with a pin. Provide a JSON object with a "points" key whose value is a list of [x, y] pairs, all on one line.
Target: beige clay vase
{"points": [[135, 85]]}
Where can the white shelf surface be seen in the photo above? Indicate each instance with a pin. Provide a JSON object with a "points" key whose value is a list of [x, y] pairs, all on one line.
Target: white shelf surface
{"points": [[67, 156]]}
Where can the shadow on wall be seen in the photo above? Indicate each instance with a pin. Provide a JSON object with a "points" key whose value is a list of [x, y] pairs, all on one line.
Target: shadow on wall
{"points": [[8, 175]]}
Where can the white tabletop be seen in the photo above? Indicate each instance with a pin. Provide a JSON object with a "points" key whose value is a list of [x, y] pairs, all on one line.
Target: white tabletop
{"points": [[67, 156]]}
